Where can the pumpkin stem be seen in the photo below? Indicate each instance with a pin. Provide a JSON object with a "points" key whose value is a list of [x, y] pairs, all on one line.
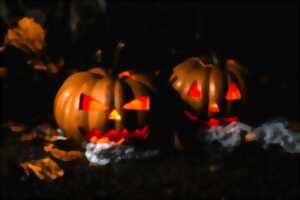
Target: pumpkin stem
{"points": [[119, 47], [213, 57]]}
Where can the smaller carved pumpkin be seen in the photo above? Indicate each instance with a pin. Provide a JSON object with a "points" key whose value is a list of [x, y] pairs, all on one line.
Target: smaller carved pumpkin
{"points": [[212, 94]]}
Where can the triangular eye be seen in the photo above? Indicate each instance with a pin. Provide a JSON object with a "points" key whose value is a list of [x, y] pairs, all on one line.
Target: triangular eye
{"points": [[141, 103], [233, 92], [88, 103], [195, 90]]}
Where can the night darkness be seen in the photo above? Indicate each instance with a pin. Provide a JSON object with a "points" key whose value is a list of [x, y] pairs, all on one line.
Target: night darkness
{"points": [[263, 37]]}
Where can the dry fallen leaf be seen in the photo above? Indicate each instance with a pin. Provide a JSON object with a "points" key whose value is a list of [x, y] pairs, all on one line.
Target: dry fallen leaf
{"points": [[294, 125], [44, 169], [14, 126], [52, 68], [177, 143], [40, 66], [28, 136], [3, 72], [250, 137], [62, 155], [29, 36], [2, 48]]}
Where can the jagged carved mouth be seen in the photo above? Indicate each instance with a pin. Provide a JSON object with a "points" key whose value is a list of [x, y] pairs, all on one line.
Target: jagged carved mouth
{"points": [[211, 121], [114, 135]]}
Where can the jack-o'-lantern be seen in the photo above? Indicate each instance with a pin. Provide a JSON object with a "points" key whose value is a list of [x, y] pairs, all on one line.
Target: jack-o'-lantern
{"points": [[212, 94], [101, 105]]}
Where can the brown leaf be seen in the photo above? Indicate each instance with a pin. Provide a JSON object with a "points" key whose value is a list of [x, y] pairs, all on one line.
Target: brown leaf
{"points": [[29, 36], [40, 66], [250, 137], [177, 142], [294, 125], [2, 48], [14, 126], [3, 72], [52, 68], [28, 136], [62, 155], [44, 169]]}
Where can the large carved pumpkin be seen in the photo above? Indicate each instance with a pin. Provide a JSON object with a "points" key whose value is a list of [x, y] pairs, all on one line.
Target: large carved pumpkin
{"points": [[105, 106], [212, 94]]}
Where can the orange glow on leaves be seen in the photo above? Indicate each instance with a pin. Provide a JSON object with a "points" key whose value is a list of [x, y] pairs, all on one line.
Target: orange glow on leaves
{"points": [[231, 61], [141, 103], [44, 169], [61, 154], [29, 36], [233, 92], [249, 137], [195, 91]]}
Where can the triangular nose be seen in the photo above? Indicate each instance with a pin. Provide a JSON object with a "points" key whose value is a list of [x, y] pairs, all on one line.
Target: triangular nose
{"points": [[213, 107], [114, 115]]}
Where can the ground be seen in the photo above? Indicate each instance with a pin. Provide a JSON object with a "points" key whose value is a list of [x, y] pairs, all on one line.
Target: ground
{"points": [[248, 172]]}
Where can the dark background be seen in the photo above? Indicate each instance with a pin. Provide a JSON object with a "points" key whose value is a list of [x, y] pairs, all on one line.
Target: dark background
{"points": [[262, 36]]}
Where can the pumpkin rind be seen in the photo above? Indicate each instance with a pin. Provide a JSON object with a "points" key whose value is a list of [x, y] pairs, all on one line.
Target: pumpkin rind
{"points": [[214, 82], [111, 90]]}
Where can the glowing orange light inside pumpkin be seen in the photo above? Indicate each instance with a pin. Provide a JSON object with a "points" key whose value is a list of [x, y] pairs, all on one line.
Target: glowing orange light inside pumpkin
{"points": [[117, 136], [195, 91], [114, 115], [141, 103], [85, 102], [231, 61], [249, 137], [103, 140], [213, 122], [88, 103], [233, 92], [213, 107]]}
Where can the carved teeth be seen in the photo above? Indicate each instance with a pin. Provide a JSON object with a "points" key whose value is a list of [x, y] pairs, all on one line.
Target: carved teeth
{"points": [[117, 136]]}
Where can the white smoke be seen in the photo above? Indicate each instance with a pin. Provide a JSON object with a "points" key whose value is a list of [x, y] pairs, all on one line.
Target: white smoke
{"points": [[228, 136], [105, 153], [268, 133]]}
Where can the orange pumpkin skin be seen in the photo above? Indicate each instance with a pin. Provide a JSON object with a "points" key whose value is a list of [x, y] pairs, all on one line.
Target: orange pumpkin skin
{"points": [[212, 95], [112, 92]]}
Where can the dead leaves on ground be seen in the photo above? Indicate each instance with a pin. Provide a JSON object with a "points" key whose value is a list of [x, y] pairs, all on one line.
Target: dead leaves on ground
{"points": [[42, 131], [14, 127], [44, 169], [3, 72], [28, 36], [51, 68], [62, 155]]}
